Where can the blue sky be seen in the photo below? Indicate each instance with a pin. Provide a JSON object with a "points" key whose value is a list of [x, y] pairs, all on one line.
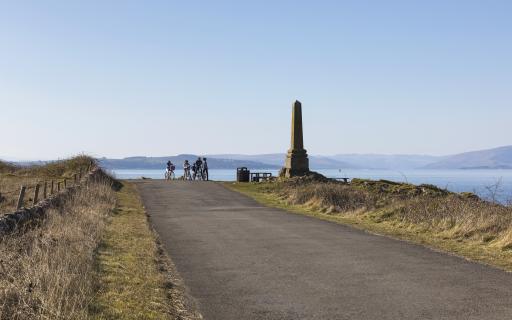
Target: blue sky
{"points": [[122, 78]]}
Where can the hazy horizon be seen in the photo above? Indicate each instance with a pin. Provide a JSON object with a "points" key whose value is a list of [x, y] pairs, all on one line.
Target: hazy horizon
{"points": [[124, 78], [15, 159]]}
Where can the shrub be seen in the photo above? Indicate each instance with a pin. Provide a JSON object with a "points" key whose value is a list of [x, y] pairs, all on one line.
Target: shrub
{"points": [[330, 196]]}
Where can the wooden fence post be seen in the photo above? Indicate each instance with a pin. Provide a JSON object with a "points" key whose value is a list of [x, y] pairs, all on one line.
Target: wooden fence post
{"points": [[65, 183], [45, 187], [20, 198], [58, 186], [80, 174], [51, 188], [36, 193], [75, 178]]}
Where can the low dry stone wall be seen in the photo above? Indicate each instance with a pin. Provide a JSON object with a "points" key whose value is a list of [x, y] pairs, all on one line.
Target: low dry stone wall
{"points": [[27, 217]]}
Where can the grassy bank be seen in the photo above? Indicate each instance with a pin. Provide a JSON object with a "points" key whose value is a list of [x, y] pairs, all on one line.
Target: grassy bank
{"points": [[135, 278], [457, 223], [48, 272], [93, 257], [13, 177]]}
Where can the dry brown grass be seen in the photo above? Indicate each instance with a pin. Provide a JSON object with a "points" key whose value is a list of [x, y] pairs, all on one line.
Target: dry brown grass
{"points": [[458, 218], [328, 197], [449, 215], [12, 178], [6, 167], [130, 286], [47, 272], [136, 280]]}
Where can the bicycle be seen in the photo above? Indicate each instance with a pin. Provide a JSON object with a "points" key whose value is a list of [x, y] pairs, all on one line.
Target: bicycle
{"points": [[199, 174], [186, 174], [169, 174]]}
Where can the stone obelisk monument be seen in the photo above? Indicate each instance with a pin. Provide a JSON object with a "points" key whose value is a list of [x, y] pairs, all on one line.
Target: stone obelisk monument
{"points": [[297, 162]]}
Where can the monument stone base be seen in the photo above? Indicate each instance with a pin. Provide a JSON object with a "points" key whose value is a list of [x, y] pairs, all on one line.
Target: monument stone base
{"points": [[296, 164]]}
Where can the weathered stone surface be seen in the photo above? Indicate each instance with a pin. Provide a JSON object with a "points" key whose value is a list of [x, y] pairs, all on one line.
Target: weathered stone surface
{"points": [[297, 162]]}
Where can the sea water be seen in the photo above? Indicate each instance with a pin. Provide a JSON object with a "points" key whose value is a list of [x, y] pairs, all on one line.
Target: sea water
{"points": [[482, 182]]}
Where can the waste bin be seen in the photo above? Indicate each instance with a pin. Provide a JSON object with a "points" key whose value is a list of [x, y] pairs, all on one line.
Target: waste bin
{"points": [[242, 174]]}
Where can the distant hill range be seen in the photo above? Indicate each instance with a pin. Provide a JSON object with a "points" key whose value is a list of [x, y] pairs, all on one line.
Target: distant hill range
{"points": [[344, 161], [160, 162], [277, 160], [498, 158]]}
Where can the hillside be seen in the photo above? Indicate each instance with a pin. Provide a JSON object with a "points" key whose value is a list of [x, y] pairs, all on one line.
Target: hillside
{"points": [[390, 162], [277, 159], [345, 161], [160, 162], [497, 158]]}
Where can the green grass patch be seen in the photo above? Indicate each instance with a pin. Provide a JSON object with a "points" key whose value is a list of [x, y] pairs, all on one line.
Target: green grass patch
{"points": [[130, 282], [384, 220]]}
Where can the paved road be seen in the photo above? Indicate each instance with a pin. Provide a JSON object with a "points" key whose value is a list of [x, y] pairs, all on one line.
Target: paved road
{"points": [[242, 261]]}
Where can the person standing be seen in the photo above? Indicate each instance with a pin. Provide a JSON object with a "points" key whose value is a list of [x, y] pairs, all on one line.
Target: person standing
{"points": [[172, 169], [205, 170], [199, 168], [194, 171]]}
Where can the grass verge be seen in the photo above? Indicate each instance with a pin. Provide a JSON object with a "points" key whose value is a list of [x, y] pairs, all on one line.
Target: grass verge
{"points": [[384, 221], [47, 272], [135, 278]]}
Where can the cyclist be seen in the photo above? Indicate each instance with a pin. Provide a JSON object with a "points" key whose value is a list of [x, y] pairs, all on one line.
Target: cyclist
{"points": [[168, 171], [186, 169]]}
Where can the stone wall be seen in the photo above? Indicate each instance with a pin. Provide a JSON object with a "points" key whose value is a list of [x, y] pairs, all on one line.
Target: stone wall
{"points": [[28, 217]]}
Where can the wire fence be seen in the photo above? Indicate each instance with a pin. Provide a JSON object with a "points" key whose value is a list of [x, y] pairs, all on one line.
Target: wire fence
{"points": [[31, 194]]}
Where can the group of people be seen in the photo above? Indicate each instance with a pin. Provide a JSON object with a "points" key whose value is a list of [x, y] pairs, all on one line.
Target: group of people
{"points": [[197, 171]]}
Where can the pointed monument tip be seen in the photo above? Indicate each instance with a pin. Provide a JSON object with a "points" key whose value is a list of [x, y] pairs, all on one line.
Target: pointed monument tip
{"points": [[297, 102]]}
